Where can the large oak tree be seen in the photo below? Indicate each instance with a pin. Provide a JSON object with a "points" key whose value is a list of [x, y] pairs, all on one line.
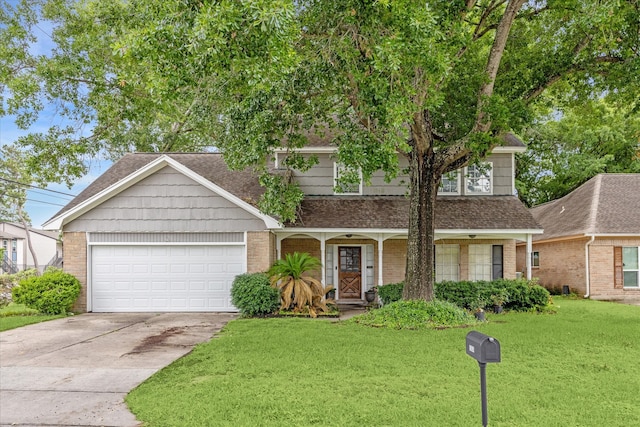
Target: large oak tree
{"points": [[436, 81]]}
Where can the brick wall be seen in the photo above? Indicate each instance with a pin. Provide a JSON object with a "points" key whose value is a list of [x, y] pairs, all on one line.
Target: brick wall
{"points": [[561, 263], [75, 263], [601, 269], [261, 251]]}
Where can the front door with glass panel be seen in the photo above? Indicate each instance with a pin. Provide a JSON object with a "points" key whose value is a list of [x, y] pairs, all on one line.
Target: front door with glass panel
{"points": [[349, 272]]}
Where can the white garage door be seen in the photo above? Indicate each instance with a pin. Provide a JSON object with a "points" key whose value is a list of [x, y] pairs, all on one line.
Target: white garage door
{"points": [[164, 278]]}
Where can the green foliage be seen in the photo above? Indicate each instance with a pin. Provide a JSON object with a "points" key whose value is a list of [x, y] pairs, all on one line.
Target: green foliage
{"points": [[52, 293], [416, 314], [565, 152], [517, 294], [390, 292], [253, 295], [10, 281], [13, 309], [302, 294], [430, 79]]}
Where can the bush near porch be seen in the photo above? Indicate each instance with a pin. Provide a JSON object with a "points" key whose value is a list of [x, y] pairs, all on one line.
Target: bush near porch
{"points": [[521, 294]]}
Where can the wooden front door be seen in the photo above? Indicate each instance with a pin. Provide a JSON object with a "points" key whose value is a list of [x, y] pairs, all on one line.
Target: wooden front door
{"points": [[349, 272]]}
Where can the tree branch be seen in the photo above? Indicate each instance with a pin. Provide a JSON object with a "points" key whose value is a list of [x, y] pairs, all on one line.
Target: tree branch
{"points": [[493, 63]]}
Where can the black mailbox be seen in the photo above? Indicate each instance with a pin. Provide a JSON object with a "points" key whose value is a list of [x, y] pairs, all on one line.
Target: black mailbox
{"points": [[483, 348]]}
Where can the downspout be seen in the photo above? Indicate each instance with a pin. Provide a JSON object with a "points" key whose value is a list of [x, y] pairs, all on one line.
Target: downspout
{"points": [[586, 267]]}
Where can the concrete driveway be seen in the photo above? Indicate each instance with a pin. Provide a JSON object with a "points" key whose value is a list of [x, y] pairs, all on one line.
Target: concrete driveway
{"points": [[76, 371]]}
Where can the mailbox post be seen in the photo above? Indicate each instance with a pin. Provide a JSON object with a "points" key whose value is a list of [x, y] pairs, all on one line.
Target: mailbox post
{"points": [[484, 349]]}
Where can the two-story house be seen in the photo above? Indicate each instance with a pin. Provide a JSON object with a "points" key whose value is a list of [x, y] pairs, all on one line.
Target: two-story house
{"points": [[16, 255], [169, 232]]}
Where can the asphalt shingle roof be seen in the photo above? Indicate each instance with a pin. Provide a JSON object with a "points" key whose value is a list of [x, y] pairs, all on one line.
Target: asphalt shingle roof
{"points": [[380, 212], [606, 204], [392, 212]]}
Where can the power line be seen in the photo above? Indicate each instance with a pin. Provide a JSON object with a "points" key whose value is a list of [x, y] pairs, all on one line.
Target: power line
{"points": [[43, 202], [65, 198], [33, 186]]}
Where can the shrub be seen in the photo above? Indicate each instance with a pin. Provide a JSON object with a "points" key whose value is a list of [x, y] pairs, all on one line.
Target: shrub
{"points": [[391, 292], [519, 294], [10, 281], [416, 314], [253, 295], [52, 293]]}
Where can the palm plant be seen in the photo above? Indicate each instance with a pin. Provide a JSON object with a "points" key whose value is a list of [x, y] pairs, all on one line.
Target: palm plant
{"points": [[299, 292]]}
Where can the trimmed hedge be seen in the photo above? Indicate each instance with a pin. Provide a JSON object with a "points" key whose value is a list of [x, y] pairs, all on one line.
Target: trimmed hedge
{"points": [[522, 294], [253, 295], [391, 292], [52, 293]]}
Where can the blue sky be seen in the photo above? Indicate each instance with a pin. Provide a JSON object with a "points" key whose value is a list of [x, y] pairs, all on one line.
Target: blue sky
{"points": [[41, 204]]}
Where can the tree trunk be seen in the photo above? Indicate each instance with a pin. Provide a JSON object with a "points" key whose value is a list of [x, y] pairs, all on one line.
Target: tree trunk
{"points": [[28, 234], [420, 269]]}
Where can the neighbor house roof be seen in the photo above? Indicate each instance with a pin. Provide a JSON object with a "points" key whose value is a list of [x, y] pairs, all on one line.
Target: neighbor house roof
{"points": [[606, 204]]}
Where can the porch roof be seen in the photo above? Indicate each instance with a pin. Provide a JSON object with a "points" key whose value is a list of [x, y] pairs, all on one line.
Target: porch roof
{"points": [[392, 212]]}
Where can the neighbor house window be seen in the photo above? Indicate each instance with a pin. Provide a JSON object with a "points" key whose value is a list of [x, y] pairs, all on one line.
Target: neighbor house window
{"points": [[479, 179], [631, 267], [450, 183], [340, 188], [535, 259], [447, 262]]}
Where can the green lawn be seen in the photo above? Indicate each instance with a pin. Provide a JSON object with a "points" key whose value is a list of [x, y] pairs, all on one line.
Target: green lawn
{"points": [[17, 315], [579, 367]]}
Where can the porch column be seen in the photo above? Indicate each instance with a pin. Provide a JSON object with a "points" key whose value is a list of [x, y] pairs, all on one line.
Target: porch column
{"points": [[380, 254], [529, 252], [323, 258], [278, 247]]}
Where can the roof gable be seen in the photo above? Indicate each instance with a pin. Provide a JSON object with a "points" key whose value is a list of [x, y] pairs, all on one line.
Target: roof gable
{"points": [[606, 204], [133, 168]]}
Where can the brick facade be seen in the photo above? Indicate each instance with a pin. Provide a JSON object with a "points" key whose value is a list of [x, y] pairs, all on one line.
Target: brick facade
{"points": [[395, 255], [75, 263], [261, 251], [601, 269], [562, 262]]}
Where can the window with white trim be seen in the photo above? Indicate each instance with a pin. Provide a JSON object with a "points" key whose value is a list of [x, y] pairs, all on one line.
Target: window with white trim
{"points": [[450, 183], [631, 267], [479, 179], [338, 170], [447, 262], [535, 259]]}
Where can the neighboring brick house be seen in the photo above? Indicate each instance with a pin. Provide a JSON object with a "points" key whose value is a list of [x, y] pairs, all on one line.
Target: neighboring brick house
{"points": [[591, 239], [169, 232]]}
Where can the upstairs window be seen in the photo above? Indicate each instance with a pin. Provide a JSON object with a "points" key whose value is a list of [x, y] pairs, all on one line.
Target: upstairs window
{"points": [[479, 179], [341, 188], [450, 184]]}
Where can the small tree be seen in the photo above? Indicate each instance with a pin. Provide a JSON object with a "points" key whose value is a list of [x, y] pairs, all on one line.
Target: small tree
{"points": [[297, 291]]}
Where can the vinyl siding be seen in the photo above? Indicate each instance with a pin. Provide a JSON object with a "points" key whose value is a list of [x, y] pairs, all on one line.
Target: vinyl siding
{"points": [[167, 201], [318, 181]]}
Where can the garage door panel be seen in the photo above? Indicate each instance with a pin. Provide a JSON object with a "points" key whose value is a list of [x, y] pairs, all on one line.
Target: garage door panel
{"points": [[159, 278]]}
